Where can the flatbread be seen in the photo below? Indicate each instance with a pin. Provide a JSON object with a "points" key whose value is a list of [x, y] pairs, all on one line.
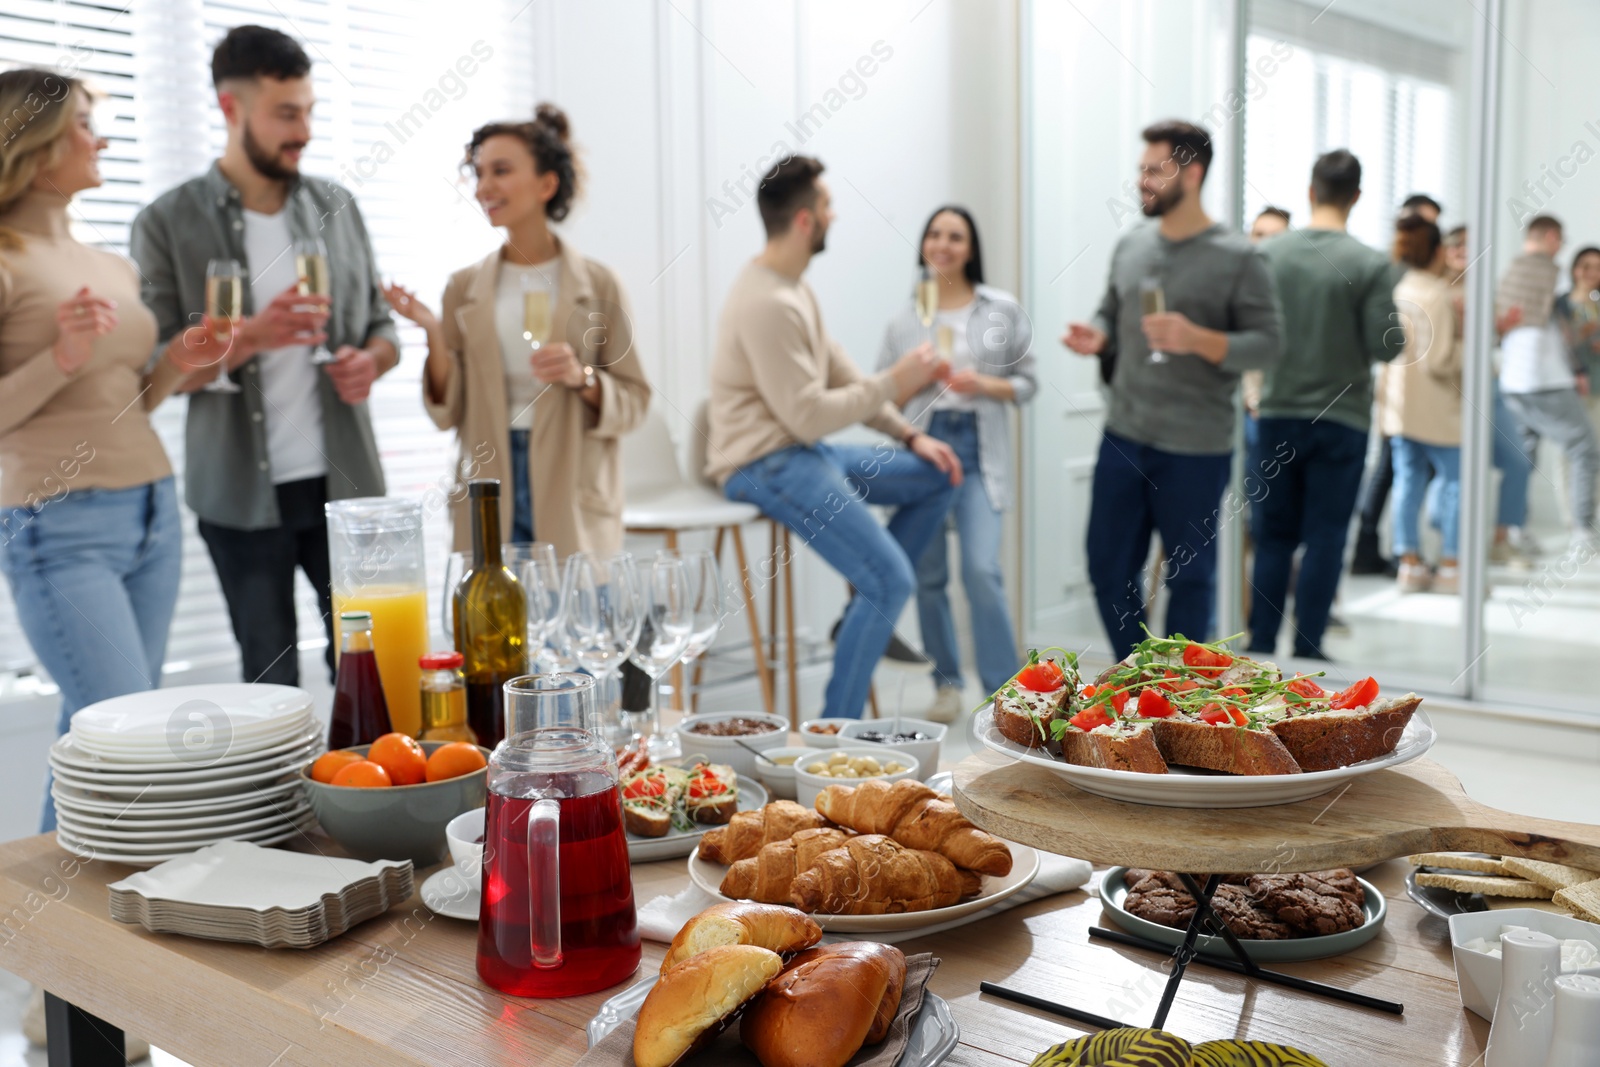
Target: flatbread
{"points": [[1550, 875], [1582, 900], [1487, 885], [1458, 861]]}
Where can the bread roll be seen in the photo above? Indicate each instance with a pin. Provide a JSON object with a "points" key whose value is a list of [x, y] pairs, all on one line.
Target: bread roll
{"points": [[692, 1002], [742, 923], [827, 1003]]}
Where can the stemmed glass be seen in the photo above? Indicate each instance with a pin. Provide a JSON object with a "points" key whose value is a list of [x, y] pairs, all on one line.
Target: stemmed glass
{"points": [[602, 617], [535, 312], [455, 565], [663, 639], [224, 307], [535, 567], [705, 601], [1153, 301], [311, 267], [927, 296]]}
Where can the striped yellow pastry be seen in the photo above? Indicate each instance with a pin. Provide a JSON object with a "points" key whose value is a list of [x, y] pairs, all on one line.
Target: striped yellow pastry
{"points": [[1127, 1047]]}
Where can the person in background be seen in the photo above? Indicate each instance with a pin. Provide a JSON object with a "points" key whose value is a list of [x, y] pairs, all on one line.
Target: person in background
{"points": [[1577, 311], [1166, 450], [779, 384], [1316, 407], [1269, 223], [261, 463], [548, 421], [989, 341], [1419, 407], [1422, 205], [1542, 386]]}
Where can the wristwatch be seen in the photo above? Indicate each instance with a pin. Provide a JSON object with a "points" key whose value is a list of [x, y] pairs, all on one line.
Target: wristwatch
{"points": [[590, 378]]}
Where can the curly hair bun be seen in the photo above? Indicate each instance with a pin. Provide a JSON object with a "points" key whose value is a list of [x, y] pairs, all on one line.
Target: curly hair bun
{"points": [[553, 119]]}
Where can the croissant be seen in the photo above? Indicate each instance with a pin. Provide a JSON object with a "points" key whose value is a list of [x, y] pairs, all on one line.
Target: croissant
{"points": [[743, 837], [768, 876], [916, 817], [875, 875]]}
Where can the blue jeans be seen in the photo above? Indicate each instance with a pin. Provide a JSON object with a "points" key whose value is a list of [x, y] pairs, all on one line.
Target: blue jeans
{"points": [[1411, 463], [978, 526], [1139, 490], [95, 580], [521, 490], [1302, 482], [1516, 466], [821, 492]]}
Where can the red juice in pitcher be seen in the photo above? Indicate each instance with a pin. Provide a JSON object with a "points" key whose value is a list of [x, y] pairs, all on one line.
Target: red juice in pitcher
{"points": [[599, 937]]}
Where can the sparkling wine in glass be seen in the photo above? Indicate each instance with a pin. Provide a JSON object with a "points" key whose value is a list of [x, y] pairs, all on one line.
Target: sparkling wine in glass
{"points": [[311, 267], [535, 313], [602, 620], [224, 307], [663, 639], [927, 297], [1153, 301]]}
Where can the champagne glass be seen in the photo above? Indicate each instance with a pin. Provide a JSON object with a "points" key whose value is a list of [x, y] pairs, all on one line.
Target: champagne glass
{"points": [[1153, 301], [311, 267], [663, 638], [535, 311], [224, 307], [602, 619], [927, 296]]}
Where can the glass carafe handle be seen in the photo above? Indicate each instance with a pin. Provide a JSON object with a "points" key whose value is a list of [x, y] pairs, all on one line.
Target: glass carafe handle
{"points": [[544, 876]]}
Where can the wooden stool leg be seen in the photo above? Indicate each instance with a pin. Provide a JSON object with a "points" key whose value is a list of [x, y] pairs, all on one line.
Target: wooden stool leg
{"points": [[772, 598], [872, 700], [677, 668], [763, 668], [788, 614]]}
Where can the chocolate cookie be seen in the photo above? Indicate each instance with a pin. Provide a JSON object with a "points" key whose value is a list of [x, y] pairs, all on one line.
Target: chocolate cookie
{"points": [[1314, 904], [1159, 897], [1236, 906]]}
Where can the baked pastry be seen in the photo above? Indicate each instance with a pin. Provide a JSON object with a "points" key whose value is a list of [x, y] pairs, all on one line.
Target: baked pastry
{"points": [[694, 1001], [748, 831], [825, 1005], [874, 875], [769, 876], [770, 926], [917, 817]]}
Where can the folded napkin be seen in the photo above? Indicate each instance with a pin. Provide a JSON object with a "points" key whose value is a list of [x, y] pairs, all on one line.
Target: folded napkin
{"points": [[662, 917], [616, 1049]]}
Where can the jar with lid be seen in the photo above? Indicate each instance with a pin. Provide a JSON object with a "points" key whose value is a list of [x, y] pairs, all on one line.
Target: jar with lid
{"points": [[444, 699]]}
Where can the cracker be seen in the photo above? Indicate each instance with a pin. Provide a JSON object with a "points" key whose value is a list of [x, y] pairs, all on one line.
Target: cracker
{"points": [[1550, 875], [1458, 861], [1485, 884], [1583, 900]]}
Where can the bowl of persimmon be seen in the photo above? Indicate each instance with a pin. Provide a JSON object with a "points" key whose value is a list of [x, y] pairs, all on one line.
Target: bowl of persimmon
{"points": [[392, 799]]}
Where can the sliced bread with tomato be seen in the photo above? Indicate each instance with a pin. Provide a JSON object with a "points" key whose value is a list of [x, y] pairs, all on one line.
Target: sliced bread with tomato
{"points": [[1350, 726], [711, 794], [1037, 696], [651, 798], [1223, 744]]}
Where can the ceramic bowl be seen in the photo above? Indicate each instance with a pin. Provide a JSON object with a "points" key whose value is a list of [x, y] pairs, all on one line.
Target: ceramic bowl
{"points": [[398, 822], [813, 739], [925, 752], [779, 777], [1478, 974], [728, 750], [807, 785]]}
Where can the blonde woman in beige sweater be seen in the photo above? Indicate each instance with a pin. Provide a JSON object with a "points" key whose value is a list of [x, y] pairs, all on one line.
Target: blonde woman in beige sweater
{"points": [[1419, 407], [90, 539]]}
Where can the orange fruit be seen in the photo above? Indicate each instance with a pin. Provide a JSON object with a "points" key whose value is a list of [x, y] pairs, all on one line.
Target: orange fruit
{"points": [[454, 760], [362, 774], [331, 763], [401, 756]]}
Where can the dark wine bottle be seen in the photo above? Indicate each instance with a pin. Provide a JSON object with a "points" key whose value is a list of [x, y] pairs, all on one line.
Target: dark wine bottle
{"points": [[491, 619]]}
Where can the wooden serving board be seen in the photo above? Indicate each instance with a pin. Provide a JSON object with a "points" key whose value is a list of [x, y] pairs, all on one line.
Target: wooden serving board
{"points": [[1420, 807]]}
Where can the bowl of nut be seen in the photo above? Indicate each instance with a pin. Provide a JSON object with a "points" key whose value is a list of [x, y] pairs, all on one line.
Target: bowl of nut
{"points": [[823, 733], [849, 766]]}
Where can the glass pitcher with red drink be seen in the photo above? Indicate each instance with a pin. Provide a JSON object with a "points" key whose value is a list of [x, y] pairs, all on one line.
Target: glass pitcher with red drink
{"points": [[557, 917]]}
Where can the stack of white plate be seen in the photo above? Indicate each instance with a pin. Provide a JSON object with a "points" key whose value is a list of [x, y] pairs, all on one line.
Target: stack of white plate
{"points": [[236, 891], [148, 776]]}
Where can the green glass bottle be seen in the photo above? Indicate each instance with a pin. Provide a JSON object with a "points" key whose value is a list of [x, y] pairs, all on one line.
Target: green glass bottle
{"points": [[491, 619]]}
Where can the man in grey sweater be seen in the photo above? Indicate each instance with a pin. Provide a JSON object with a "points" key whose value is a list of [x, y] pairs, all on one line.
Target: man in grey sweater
{"points": [[1189, 306]]}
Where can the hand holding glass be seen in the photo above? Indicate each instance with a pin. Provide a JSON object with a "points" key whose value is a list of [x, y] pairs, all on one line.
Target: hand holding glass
{"points": [[224, 307], [311, 267], [1153, 301]]}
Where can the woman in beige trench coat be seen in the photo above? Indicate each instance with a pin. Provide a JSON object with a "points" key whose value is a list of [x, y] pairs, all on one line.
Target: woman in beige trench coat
{"points": [[545, 421]]}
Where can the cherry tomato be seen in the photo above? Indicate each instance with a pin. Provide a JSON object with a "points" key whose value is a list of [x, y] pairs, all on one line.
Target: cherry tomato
{"points": [[1153, 704], [645, 787], [1236, 691], [1088, 691], [1217, 715], [1206, 662], [1089, 718], [1307, 688], [1356, 696], [1119, 701], [1042, 676]]}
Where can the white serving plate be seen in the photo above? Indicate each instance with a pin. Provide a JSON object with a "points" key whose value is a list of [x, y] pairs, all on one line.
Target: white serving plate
{"points": [[449, 892], [69, 755], [173, 846], [235, 874], [114, 830], [682, 842], [70, 796], [204, 750], [120, 855], [1185, 787], [1024, 868], [293, 758], [151, 716], [934, 1034], [178, 790]]}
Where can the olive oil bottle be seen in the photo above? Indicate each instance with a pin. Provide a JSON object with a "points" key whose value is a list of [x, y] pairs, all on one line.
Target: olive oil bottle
{"points": [[491, 619]]}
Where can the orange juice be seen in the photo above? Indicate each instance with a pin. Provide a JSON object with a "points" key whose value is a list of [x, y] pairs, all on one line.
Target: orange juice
{"points": [[399, 638]]}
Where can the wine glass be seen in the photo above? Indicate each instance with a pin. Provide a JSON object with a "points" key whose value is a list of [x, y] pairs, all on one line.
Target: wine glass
{"points": [[311, 267], [602, 618], [705, 600], [535, 567], [455, 565], [224, 307], [664, 634], [535, 311], [1153, 301], [927, 296]]}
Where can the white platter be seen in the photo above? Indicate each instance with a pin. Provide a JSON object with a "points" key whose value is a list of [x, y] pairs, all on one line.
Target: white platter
{"points": [[151, 716], [71, 796], [1184, 787], [246, 876], [202, 747], [72, 757], [1024, 868], [682, 842], [449, 892], [934, 1034]]}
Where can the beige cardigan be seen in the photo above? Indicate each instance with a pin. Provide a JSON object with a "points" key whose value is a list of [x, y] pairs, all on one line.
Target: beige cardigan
{"points": [[573, 453], [1419, 393]]}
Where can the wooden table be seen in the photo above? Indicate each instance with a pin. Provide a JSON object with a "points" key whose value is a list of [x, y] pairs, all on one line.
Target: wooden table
{"points": [[402, 989]]}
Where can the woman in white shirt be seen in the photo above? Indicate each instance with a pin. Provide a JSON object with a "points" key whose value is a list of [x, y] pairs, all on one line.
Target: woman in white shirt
{"points": [[987, 339], [531, 360]]}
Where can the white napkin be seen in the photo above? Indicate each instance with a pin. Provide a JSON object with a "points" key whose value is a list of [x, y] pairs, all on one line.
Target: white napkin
{"points": [[662, 917]]}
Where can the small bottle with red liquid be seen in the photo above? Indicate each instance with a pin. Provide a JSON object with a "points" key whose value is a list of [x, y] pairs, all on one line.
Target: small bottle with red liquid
{"points": [[360, 714]]}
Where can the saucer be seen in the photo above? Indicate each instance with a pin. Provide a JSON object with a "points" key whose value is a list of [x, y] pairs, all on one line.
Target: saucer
{"points": [[449, 892]]}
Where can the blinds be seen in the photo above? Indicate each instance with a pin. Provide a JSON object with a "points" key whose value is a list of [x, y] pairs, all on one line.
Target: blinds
{"points": [[394, 106]]}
